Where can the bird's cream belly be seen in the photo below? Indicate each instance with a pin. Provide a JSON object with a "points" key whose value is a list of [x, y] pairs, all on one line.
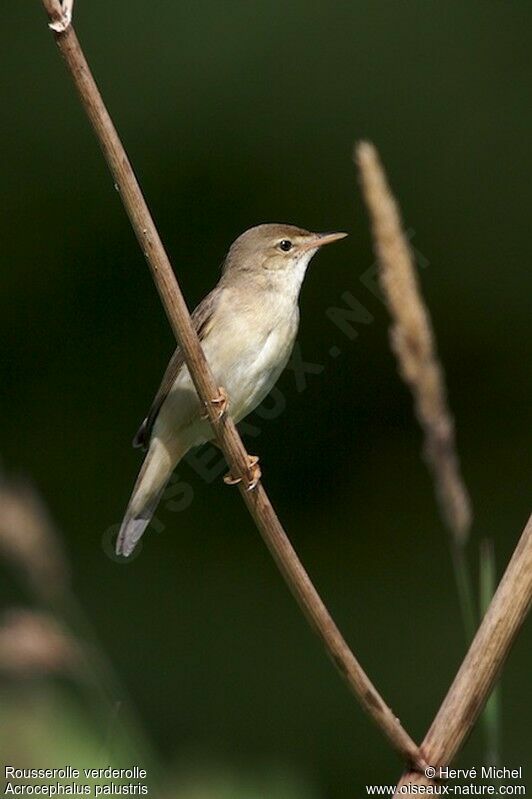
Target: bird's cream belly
{"points": [[246, 369]]}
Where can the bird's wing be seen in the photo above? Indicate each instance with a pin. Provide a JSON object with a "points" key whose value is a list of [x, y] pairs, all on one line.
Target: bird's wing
{"points": [[202, 321]]}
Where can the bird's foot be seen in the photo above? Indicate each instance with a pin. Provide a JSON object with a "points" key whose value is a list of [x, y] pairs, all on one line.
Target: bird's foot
{"points": [[220, 402], [252, 476]]}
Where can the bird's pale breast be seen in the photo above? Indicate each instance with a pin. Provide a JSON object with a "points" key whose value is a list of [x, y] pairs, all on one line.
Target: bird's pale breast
{"points": [[247, 347]]}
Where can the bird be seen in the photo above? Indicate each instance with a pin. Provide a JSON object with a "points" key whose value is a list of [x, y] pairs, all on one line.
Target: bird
{"points": [[247, 327]]}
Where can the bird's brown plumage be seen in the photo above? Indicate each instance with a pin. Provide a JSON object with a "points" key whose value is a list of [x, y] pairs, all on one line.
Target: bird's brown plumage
{"points": [[201, 319]]}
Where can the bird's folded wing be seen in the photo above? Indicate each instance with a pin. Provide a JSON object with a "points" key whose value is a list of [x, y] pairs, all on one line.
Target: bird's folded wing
{"points": [[202, 322]]}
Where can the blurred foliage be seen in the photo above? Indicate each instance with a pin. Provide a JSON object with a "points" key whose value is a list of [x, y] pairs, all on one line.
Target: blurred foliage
{"points": [[235, 113]]}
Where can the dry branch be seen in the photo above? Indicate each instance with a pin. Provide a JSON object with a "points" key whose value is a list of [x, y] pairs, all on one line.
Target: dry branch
{"points": [[482, 664], [257, 500]]}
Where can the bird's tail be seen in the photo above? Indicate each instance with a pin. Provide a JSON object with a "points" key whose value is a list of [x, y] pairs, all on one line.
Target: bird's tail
{"points": [[155, 472]]}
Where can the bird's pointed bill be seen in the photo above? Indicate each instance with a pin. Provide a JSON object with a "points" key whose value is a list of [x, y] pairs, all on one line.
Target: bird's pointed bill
{"points": [[320, 239]]}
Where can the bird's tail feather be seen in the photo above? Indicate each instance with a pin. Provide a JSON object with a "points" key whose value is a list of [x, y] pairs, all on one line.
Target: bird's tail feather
{"points": [[151, 482]]}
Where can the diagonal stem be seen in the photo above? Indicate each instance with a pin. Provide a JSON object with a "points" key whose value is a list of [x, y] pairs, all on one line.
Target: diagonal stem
{"points": [[481, 667], [227, 436]]}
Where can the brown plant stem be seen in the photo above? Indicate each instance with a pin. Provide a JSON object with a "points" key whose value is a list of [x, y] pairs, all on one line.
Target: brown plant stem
{"points": [[481, 667], [226, 434]]}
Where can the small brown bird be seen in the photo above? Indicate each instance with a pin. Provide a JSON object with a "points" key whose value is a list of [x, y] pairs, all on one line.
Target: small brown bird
{"points": [[247, 326]]}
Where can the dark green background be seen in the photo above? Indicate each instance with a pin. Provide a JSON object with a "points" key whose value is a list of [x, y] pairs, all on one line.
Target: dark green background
{"points": [[236, 113]]}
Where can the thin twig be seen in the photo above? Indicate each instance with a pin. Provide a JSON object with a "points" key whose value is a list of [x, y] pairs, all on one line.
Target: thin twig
{"points": [[176, 310], [479, 671]]}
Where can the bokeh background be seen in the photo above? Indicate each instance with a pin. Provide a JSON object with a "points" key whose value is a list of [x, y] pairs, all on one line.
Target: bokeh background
{"points": [[236, 113]]}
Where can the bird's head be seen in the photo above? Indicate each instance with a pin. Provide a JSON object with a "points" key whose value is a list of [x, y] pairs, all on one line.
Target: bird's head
{"points": [[276, 251]]}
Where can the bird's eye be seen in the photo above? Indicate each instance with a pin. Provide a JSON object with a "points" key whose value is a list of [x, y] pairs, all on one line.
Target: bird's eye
{"points": [[285, 245]]}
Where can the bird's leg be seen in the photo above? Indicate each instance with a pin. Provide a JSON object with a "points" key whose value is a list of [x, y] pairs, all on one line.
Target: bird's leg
{"points": [[251, 478], [220, 402], [253, 472]]}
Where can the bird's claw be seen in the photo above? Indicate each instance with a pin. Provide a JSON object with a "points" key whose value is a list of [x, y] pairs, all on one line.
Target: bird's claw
{"points": [[220, 401], [252, 476]]}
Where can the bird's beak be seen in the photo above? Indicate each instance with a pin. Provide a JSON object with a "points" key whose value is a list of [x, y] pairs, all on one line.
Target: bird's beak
{"points": [[320, 239]]}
